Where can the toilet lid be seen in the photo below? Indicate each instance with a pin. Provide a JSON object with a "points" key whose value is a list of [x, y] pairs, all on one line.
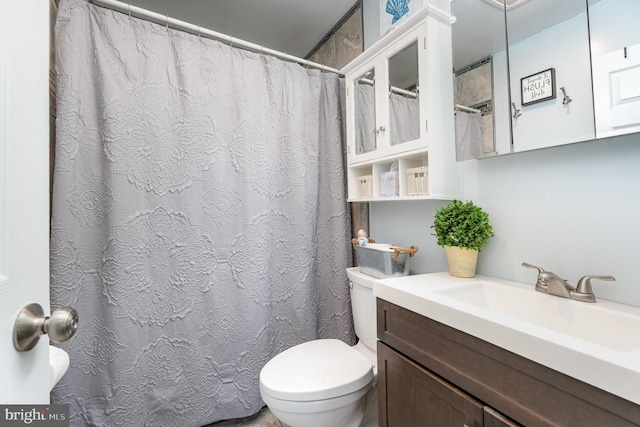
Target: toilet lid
{"points": [[316, 370]]}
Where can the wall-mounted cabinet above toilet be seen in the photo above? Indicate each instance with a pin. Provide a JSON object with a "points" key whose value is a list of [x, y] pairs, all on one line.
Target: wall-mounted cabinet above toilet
{"points": [[399, 126]]}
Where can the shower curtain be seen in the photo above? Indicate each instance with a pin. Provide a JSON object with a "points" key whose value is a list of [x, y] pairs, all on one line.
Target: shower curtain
{"points": [[199, 219]]}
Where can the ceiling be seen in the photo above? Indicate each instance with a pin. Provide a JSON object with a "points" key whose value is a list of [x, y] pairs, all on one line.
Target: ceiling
{"points": [[296, 26], [291, 26]]}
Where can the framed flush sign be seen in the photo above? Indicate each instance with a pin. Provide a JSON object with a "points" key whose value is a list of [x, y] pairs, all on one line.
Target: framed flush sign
{"points": [[538, 87]]}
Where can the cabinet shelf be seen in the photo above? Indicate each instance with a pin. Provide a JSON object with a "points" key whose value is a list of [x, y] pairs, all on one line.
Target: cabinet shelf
{"points": [[401, 198], [389, 178]]}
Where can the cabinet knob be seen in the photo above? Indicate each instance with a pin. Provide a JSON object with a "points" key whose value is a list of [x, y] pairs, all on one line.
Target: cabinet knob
{"points": [[380, 129]]}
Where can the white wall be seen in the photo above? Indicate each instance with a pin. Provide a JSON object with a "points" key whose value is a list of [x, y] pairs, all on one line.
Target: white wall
{"points": [[408, 223], [370, 21], [571, 209], [574, 210]]}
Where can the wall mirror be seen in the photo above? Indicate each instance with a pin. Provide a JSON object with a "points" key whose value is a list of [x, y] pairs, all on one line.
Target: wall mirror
{"points": [[404, 102], [550, 78], [481, 90], [365, 113], [571, 73], [615, 54]]}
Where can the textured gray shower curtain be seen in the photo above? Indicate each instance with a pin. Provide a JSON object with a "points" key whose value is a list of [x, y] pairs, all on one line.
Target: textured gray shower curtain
{"points": [[199, 219]]}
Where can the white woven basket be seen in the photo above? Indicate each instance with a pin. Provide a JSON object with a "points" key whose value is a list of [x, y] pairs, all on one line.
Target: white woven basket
{"points": [[365, 186], [418, 181]]}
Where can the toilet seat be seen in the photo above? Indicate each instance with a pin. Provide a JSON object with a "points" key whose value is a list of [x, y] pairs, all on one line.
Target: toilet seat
{"points": [[316, 370]]}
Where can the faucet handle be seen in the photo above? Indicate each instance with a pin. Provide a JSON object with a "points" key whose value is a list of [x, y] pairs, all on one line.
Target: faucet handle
{"points": [[584, 284], [526, 264], [542, 282]]}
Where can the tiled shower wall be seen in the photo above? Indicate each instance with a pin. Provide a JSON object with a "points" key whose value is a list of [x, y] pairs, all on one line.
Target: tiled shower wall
{"points": [[343, 43]]}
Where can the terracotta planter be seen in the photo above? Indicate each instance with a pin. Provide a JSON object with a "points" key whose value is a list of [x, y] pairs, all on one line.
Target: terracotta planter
{"points": [[462, 261]]}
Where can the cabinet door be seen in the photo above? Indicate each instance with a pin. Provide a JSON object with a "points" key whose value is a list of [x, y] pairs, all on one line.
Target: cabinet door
{"points": [[493, 418], [363, 114], [385, 108], [538, 76], [409, 395], [403, 99]]}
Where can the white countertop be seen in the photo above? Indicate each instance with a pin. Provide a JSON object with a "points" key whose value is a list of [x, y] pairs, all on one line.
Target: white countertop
{"points": [[613, 369]]}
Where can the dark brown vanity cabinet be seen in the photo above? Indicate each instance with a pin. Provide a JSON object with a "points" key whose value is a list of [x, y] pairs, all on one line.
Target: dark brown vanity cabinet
{"points": [[431, 375], [414, 396]]}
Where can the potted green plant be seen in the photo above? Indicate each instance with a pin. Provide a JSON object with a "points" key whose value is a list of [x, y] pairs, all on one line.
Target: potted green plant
{"points": [[462, 229]]}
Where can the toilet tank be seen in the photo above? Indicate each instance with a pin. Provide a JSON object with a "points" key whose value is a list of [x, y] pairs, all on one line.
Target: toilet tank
{"points": [[363, 305]]}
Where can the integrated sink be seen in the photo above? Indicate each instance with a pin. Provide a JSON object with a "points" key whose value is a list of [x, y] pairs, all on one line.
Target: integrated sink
{"points": [[597, 343], [597, 323]]}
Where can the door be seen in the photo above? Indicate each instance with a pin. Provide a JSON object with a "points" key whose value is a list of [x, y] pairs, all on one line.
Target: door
{"points": [[24, 192]]}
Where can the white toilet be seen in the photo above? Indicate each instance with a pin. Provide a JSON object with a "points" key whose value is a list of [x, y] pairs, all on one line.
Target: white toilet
{"points": [[326, 383]]}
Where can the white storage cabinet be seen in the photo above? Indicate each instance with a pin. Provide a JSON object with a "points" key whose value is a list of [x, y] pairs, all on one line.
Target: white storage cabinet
{"points": [[400, 113]]}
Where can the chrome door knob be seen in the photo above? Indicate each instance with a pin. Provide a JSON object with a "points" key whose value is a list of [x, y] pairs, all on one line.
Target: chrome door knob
{"points": [[31, 323]]}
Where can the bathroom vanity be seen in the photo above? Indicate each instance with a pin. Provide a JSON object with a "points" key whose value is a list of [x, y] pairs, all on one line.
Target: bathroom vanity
{"points": [[450, 355]]}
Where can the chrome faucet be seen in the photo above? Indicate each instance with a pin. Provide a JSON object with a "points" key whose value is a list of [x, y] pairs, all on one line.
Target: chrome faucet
{"points": [[550, 283]]}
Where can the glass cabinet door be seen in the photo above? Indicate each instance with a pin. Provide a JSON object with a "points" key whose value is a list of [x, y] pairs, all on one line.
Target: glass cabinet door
{"points": [[402, 107], [365, 113], [403, 95]]}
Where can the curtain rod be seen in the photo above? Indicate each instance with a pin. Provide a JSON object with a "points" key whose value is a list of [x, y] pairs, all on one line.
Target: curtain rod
{"points": [[391, 88], [148, 15], [469, 109]]}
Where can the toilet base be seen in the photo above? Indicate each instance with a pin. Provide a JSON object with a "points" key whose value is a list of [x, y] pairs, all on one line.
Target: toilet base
{"points": [[344, 417], [339, 412], [370, 418]]}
